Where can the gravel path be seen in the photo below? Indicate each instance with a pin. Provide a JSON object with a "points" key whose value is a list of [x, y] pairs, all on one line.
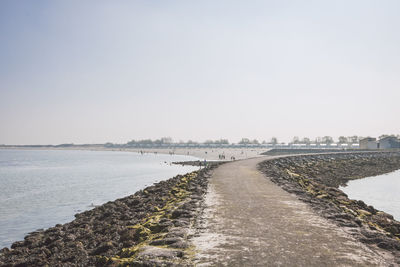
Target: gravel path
{"points": [[250, 221]]}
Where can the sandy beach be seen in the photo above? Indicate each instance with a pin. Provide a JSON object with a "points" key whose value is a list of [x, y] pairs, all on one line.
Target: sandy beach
{"points": [[208, 153], [201, 153]]}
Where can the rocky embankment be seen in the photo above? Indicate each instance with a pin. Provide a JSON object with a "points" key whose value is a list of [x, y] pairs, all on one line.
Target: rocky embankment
{"points": [[315, 179], [149, 228]]}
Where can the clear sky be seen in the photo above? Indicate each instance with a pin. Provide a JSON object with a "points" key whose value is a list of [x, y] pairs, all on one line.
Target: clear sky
{"points": [[99, 71]]}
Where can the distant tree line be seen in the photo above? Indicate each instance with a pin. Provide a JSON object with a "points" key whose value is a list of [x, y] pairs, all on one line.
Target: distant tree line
{"points": [[168, 141], [326, 140], [247, 141], [389, 135], [164, 140]]}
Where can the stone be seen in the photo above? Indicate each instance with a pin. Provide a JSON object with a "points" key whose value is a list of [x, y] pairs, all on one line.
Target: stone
{"points": [[157, 252]]}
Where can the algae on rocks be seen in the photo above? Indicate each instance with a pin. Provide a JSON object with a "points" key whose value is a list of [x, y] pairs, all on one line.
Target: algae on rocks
{"points": [[148, 228]]}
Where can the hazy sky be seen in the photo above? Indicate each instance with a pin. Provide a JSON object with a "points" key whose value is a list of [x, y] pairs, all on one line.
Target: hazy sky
{"points": [[98, 71]]}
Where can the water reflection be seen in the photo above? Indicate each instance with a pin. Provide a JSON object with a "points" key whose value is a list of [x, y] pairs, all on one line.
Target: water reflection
{"points": [[381, 191]]}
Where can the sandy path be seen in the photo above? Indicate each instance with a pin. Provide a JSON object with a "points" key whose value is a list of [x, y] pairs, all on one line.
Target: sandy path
{"points": [[250, 221]]}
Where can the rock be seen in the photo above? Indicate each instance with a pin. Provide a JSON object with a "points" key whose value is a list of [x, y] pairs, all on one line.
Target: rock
{"points": [[156, 252], [182, 222], [127, 234], [160, 227], [389, 244], [363, 212], [165, 241], [180, 244], [103, 247], [17, 244], [177, 232], [345, 216], [4, 250], [180, 213]]}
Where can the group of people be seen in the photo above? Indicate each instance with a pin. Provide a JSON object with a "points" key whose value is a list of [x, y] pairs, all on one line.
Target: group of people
{"points": [[222, 156]]}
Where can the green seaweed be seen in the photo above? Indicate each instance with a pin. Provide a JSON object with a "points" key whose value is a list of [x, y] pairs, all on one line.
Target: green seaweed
{"points": [[149, 229]]}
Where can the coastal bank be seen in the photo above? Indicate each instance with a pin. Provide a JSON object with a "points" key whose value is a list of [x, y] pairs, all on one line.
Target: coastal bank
{"points": [[315, 180], [149, 228]]}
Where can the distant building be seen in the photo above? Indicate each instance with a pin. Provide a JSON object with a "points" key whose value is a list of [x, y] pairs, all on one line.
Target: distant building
{"points": [[355, 145], [389, 142], [368, 143]]}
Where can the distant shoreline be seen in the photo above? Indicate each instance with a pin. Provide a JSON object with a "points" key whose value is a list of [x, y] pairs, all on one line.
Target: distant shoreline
{"points": [[201, 153]]}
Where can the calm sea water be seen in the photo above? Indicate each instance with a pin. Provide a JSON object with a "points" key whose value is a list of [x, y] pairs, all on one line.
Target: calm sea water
{"points": [[40, 188], [381, 191]]}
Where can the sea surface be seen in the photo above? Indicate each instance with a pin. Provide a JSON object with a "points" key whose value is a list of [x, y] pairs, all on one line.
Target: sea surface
{"points": [[382, 192], [41, 188]]}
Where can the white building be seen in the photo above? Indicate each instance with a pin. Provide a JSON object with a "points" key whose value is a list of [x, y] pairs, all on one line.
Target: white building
{"points": [[368, 143]]}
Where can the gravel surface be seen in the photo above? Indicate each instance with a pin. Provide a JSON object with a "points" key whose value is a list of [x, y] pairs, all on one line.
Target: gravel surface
{"points": [[250, 221]]}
